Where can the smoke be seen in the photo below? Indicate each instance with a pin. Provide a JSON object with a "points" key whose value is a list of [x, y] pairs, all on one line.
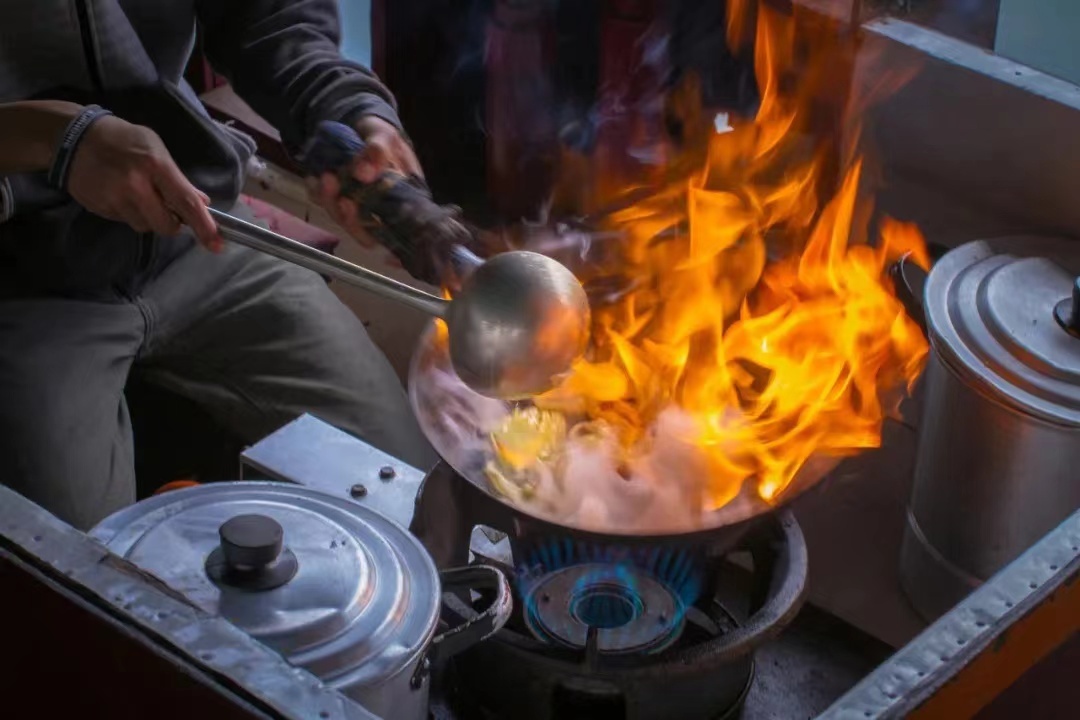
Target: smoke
{"points": [[587, 96]]}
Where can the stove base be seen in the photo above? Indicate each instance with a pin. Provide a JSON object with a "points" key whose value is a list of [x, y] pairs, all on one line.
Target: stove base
{"points": [[529, 686]]}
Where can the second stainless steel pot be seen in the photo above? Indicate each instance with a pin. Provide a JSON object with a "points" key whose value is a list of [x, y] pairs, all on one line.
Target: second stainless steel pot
{"points": [[335, 588], [998, 462]]}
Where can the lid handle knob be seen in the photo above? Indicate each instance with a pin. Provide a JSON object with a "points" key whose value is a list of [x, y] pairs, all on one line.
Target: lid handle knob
{"points": [[250, 556], [251, 542], [1067, 311]]}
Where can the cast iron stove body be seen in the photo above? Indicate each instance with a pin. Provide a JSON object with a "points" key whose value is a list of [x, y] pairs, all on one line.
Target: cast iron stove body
{"points": [[606, 632]]}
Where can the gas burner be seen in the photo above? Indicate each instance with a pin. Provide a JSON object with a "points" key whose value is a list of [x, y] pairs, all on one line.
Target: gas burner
{"points": [[603, 608], [613, 627]]}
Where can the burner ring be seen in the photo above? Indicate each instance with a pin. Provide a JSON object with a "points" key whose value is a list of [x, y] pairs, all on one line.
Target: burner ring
{"points": [[628, 610]]}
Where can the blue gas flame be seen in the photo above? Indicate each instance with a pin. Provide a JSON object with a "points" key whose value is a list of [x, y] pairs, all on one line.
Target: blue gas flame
{"points": [[678, 569]]}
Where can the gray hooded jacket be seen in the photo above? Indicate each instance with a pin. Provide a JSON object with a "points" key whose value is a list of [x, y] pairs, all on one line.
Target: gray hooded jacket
{"points": [[129, 56]]}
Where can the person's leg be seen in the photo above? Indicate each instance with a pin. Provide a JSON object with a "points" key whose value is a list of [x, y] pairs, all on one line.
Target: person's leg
{"points": [[65, 436], [258, 342]]}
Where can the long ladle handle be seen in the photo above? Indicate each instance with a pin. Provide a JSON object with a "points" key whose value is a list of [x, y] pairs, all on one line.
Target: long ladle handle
{"points": [[269, 242]]}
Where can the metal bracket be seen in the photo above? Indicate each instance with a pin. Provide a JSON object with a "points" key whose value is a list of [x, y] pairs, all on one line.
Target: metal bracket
{"points": [[317, 455]]}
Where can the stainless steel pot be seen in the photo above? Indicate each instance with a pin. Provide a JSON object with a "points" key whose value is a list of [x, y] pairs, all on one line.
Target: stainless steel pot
{"points": [[335, 588], [998, 462]]}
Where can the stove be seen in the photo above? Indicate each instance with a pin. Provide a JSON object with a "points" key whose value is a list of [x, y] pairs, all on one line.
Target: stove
{"points": [[603, 627], [611, 633], [611, 627]]}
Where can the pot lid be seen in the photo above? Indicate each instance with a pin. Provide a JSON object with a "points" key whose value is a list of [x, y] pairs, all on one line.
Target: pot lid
{"points": [[1003, 321], [334, 587]]}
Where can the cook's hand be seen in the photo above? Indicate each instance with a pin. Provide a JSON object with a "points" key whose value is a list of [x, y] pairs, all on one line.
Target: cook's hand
{"points": [[124, 172], [386, 149]]}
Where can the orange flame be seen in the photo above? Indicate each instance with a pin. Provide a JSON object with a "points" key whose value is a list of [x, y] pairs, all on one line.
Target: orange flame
{"points": [[759, 308]]}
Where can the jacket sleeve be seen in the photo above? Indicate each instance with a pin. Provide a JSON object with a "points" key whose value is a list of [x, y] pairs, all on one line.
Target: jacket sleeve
{"points": [[7, 201], [283, 58]]}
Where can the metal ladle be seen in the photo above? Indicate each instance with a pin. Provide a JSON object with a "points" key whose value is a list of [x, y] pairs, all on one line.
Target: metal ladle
{"points": [[517, 324]]}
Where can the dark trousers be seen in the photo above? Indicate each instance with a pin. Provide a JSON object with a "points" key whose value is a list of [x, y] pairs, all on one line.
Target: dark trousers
{"points": [[254, 340]]}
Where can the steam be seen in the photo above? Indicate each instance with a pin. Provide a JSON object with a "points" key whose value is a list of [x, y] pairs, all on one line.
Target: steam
{"points": [[658, 491], [595, 486]]}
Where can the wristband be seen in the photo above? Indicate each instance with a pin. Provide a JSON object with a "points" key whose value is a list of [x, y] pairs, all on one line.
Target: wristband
{"points": [[61, 166]]}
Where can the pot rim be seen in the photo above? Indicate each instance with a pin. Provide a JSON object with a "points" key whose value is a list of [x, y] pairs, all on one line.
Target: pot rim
{"points": [[952, 343]]}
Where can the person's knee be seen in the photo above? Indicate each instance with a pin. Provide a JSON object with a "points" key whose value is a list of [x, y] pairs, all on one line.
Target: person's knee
{"points": [[77, 471]]}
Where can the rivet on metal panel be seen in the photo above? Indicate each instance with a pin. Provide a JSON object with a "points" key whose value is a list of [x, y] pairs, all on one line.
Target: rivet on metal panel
{"points": [[386, 472], [358, 490]]}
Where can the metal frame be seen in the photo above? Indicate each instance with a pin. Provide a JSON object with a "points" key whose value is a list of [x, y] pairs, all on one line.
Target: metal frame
{"points": [[958, 665]]}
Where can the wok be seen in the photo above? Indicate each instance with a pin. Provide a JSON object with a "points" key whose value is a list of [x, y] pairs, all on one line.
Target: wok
{"points": [[437, 397]]}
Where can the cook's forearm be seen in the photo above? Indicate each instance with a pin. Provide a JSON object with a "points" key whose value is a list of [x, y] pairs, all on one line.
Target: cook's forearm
{"points": [[30, 131], [283, 58]]}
